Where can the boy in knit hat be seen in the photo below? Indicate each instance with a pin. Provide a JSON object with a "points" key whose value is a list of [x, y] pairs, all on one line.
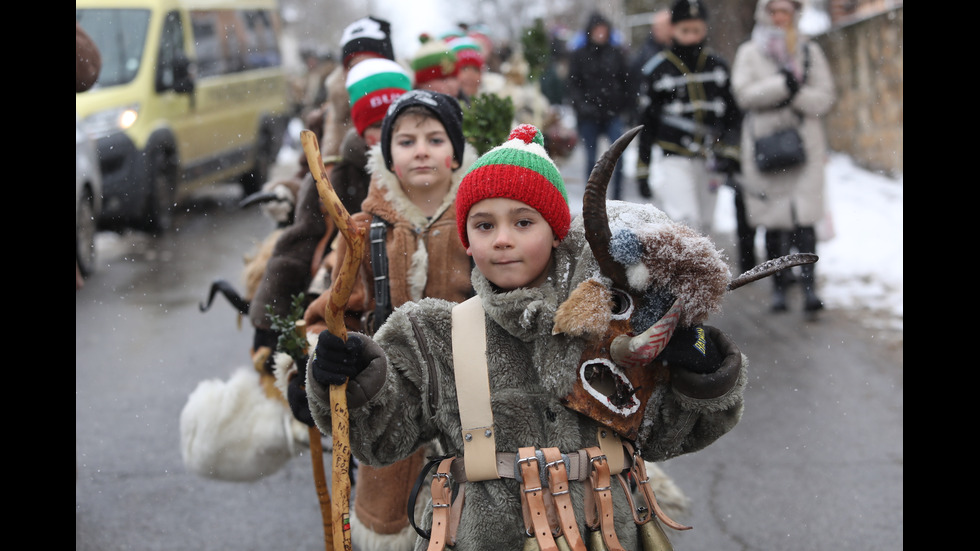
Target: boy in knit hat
{"points": [[409, 383], [410, 217], [302, 244], [436, 68], [470, 62]]}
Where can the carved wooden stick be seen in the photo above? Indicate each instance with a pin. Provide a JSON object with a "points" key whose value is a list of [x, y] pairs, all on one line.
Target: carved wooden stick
{"points": [[340, 291]]}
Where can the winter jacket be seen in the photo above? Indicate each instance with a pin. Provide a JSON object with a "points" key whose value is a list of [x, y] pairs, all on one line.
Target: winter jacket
{"points": [[795, 197], [687, 107], [425, 256], [407, 396], [597, 85]]}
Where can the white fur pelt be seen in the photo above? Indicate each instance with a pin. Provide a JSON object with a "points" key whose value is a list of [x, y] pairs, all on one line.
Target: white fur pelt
{"points": [[230, 430], [364, 539]]}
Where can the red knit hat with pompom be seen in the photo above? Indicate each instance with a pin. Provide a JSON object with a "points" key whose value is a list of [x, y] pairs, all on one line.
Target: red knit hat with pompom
{"points": [[519, 169]]}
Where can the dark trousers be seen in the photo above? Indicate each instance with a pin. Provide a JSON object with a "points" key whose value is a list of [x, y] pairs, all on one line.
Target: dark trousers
{"points": [[589, 131]]}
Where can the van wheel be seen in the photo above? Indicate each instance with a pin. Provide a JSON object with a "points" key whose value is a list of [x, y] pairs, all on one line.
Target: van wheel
{"points": [[256, 177], [85, 230], [160, 201]]}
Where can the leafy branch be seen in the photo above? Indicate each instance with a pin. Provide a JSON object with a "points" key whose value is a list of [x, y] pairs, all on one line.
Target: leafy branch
{"points": [[487, 121], [290, 341]]}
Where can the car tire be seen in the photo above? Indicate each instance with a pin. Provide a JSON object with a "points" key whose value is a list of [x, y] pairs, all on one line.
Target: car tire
{"points": [[265, 156], [86, 227], [159, 209]]}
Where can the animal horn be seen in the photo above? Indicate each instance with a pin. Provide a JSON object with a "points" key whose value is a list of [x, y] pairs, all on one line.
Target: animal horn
{"points": [[229, 292], [641, 349], [770, 267], [594, 215]]}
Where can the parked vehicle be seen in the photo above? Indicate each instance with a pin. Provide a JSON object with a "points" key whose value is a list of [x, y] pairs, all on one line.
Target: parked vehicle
{"points": [[191, 92], [88, 200]]}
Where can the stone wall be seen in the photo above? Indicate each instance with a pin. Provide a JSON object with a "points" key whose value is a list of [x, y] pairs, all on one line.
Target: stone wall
{"points": [[867, 62]]}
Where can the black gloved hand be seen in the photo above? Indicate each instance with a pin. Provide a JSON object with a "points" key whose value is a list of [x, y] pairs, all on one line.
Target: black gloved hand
{"points": [[296, 396], [791, 82], [691, 349], [335, 360]]}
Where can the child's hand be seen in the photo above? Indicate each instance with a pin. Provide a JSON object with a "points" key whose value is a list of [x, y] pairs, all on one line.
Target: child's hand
{"points": [[335, 360], [692, 349]]}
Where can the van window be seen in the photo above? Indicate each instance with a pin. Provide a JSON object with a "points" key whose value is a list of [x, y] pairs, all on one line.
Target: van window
{"points": [[171, 47], [120, 35], [231, 41]]}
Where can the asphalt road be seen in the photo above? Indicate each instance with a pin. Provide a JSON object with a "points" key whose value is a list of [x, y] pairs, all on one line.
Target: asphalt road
{"points": [[816, 463]]}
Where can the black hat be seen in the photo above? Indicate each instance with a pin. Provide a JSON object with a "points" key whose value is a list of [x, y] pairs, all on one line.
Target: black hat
{"points": [[688, 9], [446, 109], [366, 35]]}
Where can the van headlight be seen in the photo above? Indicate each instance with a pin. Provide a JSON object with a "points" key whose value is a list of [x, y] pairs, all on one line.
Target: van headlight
{"points": [[110, 121]]}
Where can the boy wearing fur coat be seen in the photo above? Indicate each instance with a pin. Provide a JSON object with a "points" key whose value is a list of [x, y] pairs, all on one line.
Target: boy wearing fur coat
{"points": [[416, 169], [545, 300]]}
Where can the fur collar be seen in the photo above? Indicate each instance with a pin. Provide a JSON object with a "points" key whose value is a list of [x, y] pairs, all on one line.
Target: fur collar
{"points": [[385, 188]]}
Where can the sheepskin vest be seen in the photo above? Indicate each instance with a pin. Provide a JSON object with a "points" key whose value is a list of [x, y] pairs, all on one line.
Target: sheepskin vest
{"points": [[425, 256]]}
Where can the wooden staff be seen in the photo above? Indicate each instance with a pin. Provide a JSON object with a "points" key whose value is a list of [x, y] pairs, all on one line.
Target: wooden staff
{"points": [[340, 291]]}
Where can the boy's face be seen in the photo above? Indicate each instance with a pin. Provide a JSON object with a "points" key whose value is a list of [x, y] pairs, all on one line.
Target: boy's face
{"points": [[372, 134], [469, 80], [510, 242], [421, 153], [690, 32], [447, 85]]}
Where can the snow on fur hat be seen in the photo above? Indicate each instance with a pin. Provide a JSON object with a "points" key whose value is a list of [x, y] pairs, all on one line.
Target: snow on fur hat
{"points": [[518, 169], [445, 108], [368, 35], [468, 52], [688, 9], [373, 85], [433, 60]]}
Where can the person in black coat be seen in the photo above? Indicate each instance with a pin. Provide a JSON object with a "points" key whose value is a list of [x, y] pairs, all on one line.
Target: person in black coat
{"points": [[598, 91], [690, 118]]}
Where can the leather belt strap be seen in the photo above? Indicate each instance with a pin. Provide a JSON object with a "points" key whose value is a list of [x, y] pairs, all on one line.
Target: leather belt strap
{"points": [[576, 465], [558, 483], [639, 470], [441, 503], [532, 500], [598, 499], [473, 390]]}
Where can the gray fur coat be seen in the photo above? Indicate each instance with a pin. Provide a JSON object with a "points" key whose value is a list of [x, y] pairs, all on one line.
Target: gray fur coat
{"points": [[407, 396]]}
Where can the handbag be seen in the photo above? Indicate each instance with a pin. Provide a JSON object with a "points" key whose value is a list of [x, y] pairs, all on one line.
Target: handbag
{"points": [[783, 149], [779, 151]]}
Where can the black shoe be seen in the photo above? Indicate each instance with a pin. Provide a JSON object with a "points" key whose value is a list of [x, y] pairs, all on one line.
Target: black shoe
{"points": [[812, 303]]}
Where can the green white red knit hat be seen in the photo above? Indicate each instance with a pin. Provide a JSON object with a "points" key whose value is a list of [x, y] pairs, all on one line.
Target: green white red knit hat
{"points": [[433, 60], [373, 84], [519, 169], [468, 51]]}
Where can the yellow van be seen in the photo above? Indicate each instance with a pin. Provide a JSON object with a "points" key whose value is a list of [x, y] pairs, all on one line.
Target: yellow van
{"points": [[191, 92]]}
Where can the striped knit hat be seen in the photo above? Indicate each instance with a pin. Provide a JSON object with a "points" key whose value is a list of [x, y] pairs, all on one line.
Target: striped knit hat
{"points": [[373, 85], [518, 169], [433, 60], [468, 51]]}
